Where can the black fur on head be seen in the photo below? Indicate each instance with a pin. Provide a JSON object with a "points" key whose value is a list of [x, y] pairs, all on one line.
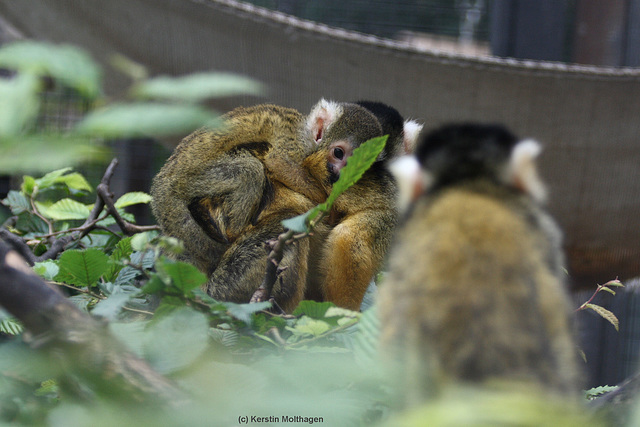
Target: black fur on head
{"points": [[390, 119], [458, 152]]}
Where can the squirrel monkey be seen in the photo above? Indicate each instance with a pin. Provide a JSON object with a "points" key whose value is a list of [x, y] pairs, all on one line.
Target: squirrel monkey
{"points": [[475, 286], [224, 193], [364, 217]]}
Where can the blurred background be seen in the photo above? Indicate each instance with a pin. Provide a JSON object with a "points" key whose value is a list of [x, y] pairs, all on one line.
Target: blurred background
{"points": [[559, 71]]}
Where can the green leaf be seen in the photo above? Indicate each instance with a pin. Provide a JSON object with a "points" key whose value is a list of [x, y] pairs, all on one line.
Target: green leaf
{"points": [[605, 314], [28, 185], [139, 241], [244, 312], [66, 209], [11, 326], [313, 309], [122, 251], [298, 223], [197, 87], [17, 202], [176, 340], [309, 326], [611, 291], [361, 160], [20, 103], [48, 269], [597, 391], [225, 337], [110, 308], [615, 282], [132, 198], [145, 120], [184, 276], [51, 178], [74, 181], [51, 151], [82, 268], [68, 64]]}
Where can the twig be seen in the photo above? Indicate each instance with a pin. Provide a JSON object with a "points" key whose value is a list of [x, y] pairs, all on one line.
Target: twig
{"points": [[104, 198], [614, 282], [265, 290], [105, 194], [18, 244]]}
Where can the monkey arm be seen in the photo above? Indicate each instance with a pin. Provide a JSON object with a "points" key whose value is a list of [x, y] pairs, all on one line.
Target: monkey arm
{"points": [[354, 253], [242, 267]]}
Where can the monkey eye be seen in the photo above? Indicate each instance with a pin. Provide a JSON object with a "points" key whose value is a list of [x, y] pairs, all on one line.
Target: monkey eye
{"points": [[338, 153]]}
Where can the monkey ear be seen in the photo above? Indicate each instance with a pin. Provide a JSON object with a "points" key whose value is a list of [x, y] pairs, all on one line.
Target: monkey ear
{"points": [[322, 116], [411, 178], [522, 170], [411, 131]]}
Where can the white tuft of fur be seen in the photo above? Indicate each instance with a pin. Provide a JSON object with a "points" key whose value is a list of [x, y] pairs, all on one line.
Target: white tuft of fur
{"points": [[522, 171], [412, 181], [412, 130], [322, 116]]}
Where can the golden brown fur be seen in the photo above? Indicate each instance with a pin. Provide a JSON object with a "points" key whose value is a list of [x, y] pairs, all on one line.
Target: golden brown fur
{"points": [[475, 289], [225, 192]]}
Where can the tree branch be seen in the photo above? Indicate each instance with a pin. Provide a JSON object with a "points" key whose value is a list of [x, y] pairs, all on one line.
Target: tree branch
{"points": [[78, 342]]}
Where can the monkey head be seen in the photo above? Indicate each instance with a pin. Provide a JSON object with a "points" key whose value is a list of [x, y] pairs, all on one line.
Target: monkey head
{"points": [[340, 128], [457, 153]]}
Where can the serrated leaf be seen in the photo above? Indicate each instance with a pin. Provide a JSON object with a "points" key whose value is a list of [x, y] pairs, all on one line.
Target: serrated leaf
{"points": [[357, 164], [225, 337], [145, 119], [48, 269], [122, 251], [361, 160], [197, 87], [132, 198], [184, 276], [68, 64], [17, 202], [11, 326], [605, 314], [66, 209], [82, 268]]}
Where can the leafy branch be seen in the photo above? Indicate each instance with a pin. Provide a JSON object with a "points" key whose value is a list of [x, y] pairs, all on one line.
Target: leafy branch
{"points": [[302, 226], [601, 311], [25, 202]]}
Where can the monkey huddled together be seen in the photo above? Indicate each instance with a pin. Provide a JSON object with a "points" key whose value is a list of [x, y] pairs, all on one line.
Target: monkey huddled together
{"points": [[475, 268], [225, 192]]}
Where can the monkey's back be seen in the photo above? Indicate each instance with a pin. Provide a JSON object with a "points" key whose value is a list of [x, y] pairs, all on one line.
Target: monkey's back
{"points": [[206, 164], [472, 294]]}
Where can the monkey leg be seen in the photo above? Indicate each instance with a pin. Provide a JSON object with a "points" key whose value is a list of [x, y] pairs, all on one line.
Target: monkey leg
{"points": [[242, 268], [352, 255], [232, 193]]}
